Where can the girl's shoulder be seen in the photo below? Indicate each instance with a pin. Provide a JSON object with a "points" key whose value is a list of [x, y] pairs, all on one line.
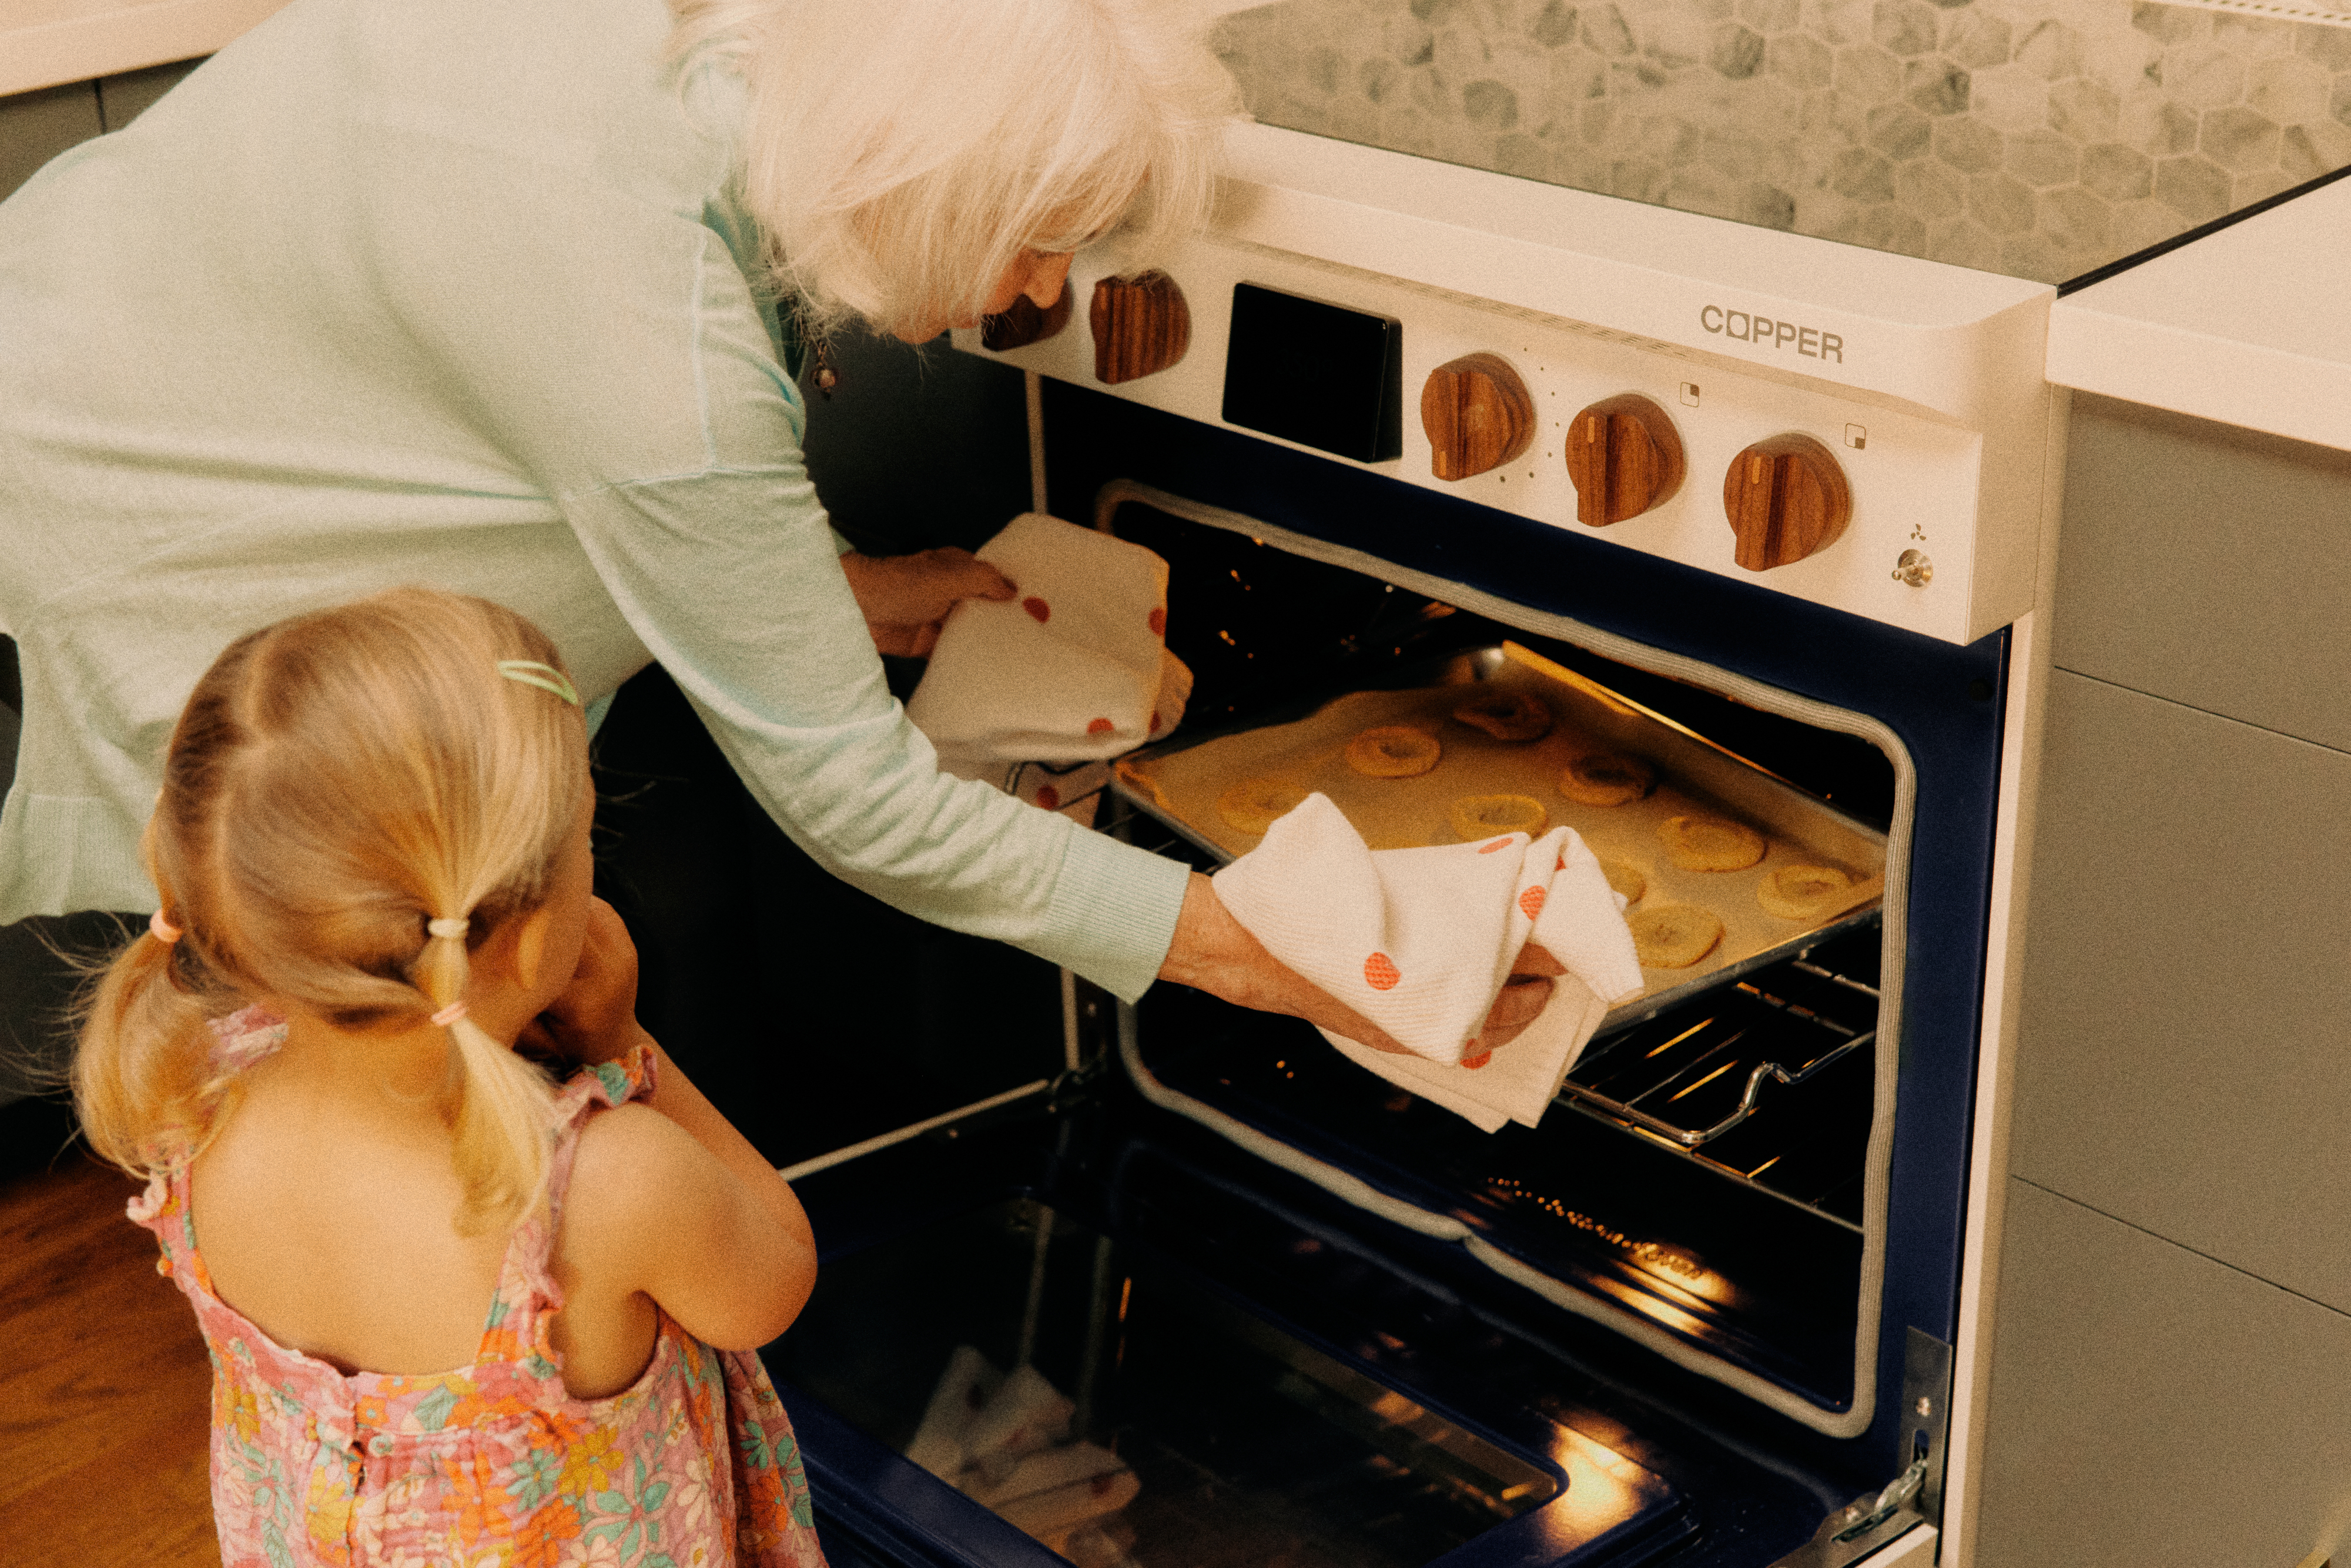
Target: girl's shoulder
{"points": [[618, 1149]]}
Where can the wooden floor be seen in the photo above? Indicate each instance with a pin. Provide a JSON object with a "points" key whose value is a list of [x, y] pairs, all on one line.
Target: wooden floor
{"points": [[103, 1385]]}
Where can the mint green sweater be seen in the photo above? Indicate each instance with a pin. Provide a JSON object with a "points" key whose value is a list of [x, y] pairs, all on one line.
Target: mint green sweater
{"points": [[454, 292]]}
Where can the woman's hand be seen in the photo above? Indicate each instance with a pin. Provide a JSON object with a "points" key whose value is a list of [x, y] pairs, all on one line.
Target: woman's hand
{"points": [[1216, 953], [906, 597], [595, 1019]]}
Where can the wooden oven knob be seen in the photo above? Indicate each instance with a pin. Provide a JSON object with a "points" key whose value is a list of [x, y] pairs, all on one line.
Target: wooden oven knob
{"points": [[1477, 413], [1140, 325], [1786, 498], [1625, 457], [1025, 324]]}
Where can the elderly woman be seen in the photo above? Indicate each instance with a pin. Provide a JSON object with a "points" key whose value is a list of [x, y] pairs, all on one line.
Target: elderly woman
{"points": [[485, 293]]}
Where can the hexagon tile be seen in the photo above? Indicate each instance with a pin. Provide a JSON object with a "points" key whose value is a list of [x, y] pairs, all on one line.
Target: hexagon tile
{"points": [[2037, 137]]}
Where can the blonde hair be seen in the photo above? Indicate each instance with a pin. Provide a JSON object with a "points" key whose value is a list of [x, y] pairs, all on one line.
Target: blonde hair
{"points": [[898, 155], [337, 781]]}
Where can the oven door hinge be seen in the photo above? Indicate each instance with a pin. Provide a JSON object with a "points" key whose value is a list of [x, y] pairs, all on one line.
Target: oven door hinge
{"points": [[1912, 1497], [1863, 1525]]}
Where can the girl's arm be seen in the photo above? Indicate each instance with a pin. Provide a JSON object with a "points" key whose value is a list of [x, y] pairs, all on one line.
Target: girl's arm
{"points": [[689, 1213], [684, 1208]]}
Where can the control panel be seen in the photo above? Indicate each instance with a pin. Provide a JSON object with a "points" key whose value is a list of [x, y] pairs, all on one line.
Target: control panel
{"points": [[1842, 496]]}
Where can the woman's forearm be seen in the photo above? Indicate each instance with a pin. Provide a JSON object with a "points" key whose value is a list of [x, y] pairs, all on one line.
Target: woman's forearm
{"points": [[1215, 953]]}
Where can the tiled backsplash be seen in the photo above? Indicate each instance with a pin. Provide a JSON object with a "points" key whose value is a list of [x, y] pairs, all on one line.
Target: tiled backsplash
{"points": [[2037, 137]]}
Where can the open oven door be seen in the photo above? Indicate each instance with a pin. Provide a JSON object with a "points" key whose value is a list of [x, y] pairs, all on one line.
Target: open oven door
{"points": [[1086, 1332]]}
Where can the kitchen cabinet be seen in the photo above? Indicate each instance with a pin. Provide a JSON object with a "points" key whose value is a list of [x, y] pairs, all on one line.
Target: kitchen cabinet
{"points": [[2182, 1060], [35, 127], [2150, 1407], [2174, 1295], [2206, 565]]}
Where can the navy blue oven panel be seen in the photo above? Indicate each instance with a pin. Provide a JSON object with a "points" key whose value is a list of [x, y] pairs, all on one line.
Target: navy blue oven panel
{"points": [[1943, 703]]}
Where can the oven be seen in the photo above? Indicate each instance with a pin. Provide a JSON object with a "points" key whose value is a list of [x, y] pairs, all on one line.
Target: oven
{"points": [[1204, 1292]]}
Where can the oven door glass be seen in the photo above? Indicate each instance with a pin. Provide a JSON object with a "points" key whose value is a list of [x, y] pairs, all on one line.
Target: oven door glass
{"points": [[1118, 1408]]}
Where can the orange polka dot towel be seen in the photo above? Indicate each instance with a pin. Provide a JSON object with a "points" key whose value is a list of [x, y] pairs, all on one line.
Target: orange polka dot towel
{"points": [[1422, 941], [1074, 669]]}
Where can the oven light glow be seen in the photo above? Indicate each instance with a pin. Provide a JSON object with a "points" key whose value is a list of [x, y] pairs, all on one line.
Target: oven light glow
{"points": [[1602, 1489], [1559, 672], [1707, 1078], [1649, 1306], [1679, 1038]]}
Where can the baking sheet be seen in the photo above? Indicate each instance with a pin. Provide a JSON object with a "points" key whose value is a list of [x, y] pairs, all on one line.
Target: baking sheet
{"points": [[1179, 784]]}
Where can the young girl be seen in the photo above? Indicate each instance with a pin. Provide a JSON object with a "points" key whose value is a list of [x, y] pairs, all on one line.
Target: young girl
{"points": [[458, 1314]]}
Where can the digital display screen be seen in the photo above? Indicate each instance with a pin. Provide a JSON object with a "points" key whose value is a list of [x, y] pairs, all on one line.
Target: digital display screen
{"points": [[1319, 374]]}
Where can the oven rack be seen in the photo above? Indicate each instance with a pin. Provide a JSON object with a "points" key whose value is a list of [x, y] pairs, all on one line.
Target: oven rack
{"points": [[1836, 1040], [1802, 1024]]}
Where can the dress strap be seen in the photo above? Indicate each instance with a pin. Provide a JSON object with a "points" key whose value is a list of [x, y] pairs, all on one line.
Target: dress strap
{"points": [[591, 1089], [244, 1037], [239, 1040], [526, 1295]]}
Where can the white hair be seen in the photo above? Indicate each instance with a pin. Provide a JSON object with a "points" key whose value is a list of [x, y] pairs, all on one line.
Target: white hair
{"points": [[899, 155]]}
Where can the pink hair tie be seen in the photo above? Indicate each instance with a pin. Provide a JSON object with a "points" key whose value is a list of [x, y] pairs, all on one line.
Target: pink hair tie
{"points": [[162, 929], [449, 1015]]}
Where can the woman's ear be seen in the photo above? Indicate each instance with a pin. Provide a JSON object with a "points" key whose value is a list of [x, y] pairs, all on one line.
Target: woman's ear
{"points": [[531, 944]]}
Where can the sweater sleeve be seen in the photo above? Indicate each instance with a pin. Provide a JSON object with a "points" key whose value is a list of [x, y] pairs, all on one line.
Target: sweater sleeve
{"points": [[617, 354]]}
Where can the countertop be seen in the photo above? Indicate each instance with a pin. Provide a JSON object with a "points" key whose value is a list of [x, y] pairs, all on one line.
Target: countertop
{"points": [[2249, 326], [45, 42]]}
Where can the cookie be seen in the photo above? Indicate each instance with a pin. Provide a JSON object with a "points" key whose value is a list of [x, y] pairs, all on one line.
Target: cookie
{"points": [[1482, 816], [1606, 779], [1394, 751], [1674, 935], [1802, 892], [1626, 880], [1506, 715], [1253, 805], [1710, 843]]}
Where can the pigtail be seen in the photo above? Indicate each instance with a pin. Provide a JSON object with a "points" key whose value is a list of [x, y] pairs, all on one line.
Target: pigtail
{"points": [[333, 779], [145, 1086], [505, 1105]]}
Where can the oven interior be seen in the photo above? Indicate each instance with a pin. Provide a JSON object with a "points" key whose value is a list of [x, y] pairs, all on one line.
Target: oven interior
{"points": [[1705, 1169], [1234, 1366]]}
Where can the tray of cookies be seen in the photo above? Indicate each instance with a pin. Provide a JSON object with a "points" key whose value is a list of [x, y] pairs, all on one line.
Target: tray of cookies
{"points": [[1724, 866]]}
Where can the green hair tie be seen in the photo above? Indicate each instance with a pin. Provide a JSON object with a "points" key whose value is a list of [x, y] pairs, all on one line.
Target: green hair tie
{"points": [[545, 678]]}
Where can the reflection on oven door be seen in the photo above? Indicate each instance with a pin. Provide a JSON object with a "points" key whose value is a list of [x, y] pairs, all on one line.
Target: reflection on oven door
{"points": [[1119, 1411]]}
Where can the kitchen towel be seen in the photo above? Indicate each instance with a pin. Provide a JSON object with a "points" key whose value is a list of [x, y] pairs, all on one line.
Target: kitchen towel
{"points": [[1421, 942], [1037, 694]]}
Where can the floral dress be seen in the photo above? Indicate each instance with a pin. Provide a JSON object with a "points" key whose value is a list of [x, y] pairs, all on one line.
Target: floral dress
{"points": [[492, 1465]]}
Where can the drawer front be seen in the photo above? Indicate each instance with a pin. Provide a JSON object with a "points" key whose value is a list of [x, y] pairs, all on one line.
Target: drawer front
{"points": [[2206, 565], [2151, 1406], [2181, 1063]]}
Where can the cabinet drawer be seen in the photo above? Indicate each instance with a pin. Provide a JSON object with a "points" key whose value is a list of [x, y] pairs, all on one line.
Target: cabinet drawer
{"points": [[2150, 1407], [2182, 1058]]}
